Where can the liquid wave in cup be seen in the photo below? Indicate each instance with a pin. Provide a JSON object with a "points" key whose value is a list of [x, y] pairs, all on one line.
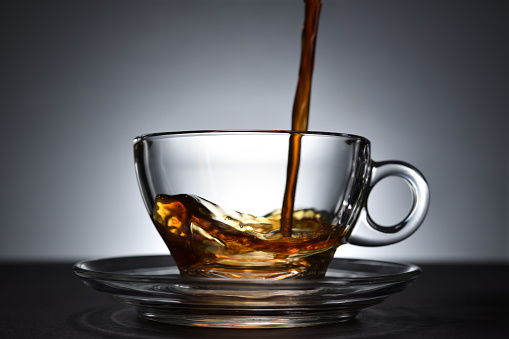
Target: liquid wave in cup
{"points": [[208, 240]]}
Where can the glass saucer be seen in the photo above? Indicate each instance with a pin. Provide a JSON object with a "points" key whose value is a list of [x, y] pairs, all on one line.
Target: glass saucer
{"points": [[153, 285]]}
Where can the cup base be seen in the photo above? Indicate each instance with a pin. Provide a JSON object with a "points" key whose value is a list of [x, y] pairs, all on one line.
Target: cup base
{"points": [[272, 319], [241, 272]]}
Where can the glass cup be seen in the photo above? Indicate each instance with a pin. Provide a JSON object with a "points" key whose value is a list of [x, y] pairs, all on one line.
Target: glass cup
{"points": [[223, 202]]}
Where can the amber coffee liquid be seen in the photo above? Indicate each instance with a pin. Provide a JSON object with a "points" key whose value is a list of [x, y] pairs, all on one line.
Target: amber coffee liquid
{"points": [[208, 240]]}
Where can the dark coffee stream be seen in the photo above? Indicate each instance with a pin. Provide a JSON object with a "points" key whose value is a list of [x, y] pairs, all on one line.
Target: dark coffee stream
{"points": [[300, 115]]}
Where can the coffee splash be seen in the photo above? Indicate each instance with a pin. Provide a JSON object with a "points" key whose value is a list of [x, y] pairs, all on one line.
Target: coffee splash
{"points": [[208, 240]]}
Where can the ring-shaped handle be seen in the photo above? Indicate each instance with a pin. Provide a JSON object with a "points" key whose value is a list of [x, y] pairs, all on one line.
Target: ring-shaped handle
{"points": [[367, 232]]}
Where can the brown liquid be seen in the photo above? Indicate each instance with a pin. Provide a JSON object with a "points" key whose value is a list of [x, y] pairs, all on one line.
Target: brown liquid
{"points": [[207, 240], [300, 115]]}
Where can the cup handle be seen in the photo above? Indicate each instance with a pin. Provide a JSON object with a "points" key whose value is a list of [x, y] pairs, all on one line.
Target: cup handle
{"points": [[367, 232]]}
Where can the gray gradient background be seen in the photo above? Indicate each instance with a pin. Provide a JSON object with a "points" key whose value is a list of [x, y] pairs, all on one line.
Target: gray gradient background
{"points": [[425, 81]]}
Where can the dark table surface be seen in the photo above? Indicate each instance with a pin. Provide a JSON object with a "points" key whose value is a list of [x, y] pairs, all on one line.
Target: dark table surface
{"points": [[46, 300]]}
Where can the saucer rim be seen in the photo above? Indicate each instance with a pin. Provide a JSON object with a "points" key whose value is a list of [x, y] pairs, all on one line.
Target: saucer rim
{"points": [[409, 272]]}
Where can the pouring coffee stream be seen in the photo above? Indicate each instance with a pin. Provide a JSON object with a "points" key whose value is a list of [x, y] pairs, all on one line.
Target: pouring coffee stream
{"points": [[300, 113]]}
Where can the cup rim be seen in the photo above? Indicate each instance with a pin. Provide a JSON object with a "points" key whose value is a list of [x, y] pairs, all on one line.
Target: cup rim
{"points": [[161, 135]]}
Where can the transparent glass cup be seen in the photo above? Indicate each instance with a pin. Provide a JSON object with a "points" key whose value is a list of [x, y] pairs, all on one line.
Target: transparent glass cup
{"points": [[216, 199]]}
